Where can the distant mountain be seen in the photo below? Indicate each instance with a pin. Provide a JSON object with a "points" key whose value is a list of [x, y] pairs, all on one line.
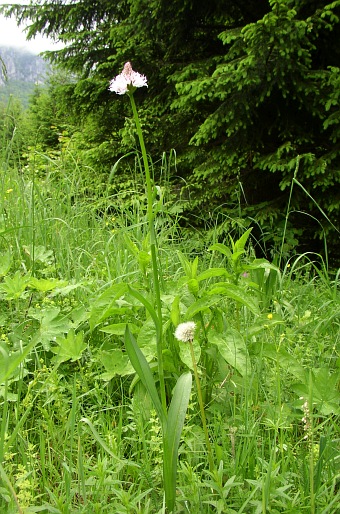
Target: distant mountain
{"points": [[20, 71]]}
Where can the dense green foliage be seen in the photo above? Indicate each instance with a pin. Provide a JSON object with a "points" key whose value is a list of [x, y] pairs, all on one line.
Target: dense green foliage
{"points": [[245, 92], [18, 89], [78, 432], [11, 136]]}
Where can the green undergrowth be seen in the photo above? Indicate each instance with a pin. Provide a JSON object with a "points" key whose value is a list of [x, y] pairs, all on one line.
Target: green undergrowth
{"points": [[79, 433]]}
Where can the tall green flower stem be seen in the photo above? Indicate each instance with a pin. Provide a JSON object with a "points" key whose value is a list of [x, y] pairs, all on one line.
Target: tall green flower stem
{"points": [[200, 401], [155, 272], [172, 419]]}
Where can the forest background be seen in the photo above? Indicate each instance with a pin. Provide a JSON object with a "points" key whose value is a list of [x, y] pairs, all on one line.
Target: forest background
{"points": [[242, 105]]}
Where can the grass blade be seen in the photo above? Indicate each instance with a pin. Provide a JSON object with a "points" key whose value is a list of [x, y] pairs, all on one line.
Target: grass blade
{"points": [[144, 372], [172, 436]]}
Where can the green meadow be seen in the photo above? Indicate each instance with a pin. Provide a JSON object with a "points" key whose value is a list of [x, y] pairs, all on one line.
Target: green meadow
{"points": [[242, 417]]}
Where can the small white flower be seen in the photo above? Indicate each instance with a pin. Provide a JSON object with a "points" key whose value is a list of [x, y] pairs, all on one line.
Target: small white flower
{"points": [[185, 331], [127, 80]]}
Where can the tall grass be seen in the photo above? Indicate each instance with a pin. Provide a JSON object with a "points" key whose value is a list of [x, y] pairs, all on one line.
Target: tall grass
{"points": [[79, 432]]}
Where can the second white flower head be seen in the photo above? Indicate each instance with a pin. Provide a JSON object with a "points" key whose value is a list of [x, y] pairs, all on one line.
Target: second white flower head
{"points": [[127, 80], [185, 331]]}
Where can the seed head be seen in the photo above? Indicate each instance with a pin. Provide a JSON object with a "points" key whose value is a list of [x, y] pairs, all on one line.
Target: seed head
{"points": [[185, 331]]}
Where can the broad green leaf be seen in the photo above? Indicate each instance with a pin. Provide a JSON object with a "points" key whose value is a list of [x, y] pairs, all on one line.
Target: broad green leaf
{"points": [[169, 365], [147, 339], [40, 254], [193, 286], [219, 247], [118, 329], [235, 256], [236, 293], [14, 287], [232, 347], [115, 362], [5, 263], [143, 370], [172, 435], [52, 325], [201, 305], [324, 390], [284, 360], [10, 397], [79, 315], [70, 347], [44, 285], [185, 353], [144, 258], [212, 272], [106, 304], [261, 264]]}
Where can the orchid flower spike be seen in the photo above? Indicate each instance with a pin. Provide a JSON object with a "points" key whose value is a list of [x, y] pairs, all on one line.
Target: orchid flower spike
{"points": [[127, 81]]}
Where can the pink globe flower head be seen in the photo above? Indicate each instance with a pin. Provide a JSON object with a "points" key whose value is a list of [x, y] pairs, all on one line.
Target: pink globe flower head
{"points": [[127, 81]]}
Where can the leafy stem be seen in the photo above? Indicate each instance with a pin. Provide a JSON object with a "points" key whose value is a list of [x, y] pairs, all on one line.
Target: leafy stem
{"points": [[155, 272], [200, 401]]}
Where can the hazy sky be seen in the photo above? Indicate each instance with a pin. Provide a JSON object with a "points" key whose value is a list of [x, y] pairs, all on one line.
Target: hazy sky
{"points": [[11, 35]]}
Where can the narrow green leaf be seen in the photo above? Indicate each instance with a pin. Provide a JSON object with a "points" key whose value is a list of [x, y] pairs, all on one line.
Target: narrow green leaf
{"points": [[185, 265], [148, 307], [9, 363], [194, 267], [172, 436], [103, 444], [143, 370], [175, 313], [240, 243]]}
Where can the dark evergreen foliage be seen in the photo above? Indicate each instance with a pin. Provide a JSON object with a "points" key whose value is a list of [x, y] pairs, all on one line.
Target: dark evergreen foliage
{"points": [[242, 90]]}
